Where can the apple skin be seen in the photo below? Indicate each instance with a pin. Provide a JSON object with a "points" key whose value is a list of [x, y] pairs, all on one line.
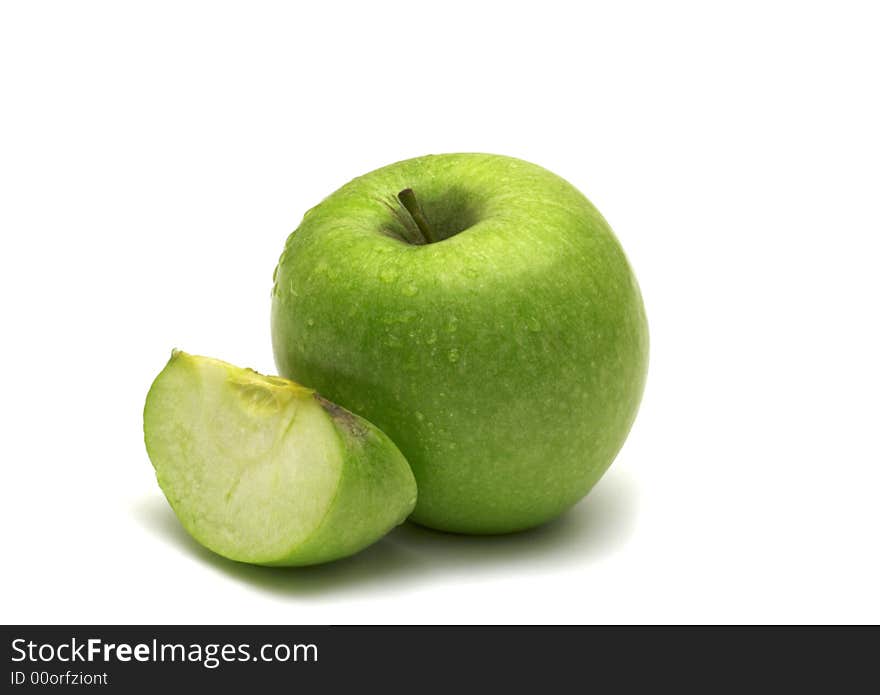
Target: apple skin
{"points": [[506, 361]]}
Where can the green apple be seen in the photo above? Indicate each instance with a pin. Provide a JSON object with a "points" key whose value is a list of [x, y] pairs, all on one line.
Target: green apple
{"points": [[260, 469], [481, 312]]}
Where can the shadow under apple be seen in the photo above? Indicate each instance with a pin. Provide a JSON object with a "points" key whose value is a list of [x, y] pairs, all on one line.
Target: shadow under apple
{"points": [[598, 525]]}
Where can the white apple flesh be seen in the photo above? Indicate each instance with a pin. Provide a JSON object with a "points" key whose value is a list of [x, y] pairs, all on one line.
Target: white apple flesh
{"points": [[262, 470]]}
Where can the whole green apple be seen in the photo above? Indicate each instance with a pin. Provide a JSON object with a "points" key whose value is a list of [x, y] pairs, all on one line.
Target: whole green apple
{"points": [[262, 470], [481, 312]]}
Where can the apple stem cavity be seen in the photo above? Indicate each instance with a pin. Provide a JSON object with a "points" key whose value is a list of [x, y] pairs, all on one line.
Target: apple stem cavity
{"points": [[409, 201]]}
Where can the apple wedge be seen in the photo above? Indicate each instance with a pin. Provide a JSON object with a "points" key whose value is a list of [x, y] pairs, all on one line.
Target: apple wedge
{"points": [[262, 470]]}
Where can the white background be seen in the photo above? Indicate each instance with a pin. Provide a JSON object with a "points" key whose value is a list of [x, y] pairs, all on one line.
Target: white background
{"points": [[156, 155]]}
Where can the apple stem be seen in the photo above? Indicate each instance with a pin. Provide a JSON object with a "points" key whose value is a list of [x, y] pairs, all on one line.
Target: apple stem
{"points": [[408, 199]]}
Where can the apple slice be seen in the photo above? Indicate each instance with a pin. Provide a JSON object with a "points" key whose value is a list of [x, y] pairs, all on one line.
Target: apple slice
{"points": [[260, 469]]}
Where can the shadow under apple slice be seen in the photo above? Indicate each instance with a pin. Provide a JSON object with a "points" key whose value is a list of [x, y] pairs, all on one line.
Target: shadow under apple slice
{"points": [[597, 526], [381, 564]]}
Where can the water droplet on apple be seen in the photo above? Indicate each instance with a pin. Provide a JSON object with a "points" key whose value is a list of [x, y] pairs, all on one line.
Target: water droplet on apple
{"points": [[387, 275], [410, 290], [534, 325], [453, 355], [419, 416], [431, 338], [310, 322]]}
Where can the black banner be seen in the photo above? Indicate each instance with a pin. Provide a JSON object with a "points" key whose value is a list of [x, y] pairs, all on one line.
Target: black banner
{"points": [[143, 658]]}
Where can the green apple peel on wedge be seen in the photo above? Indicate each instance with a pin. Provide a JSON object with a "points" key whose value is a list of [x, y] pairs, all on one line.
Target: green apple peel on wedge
{"points": [[262, 470]]}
